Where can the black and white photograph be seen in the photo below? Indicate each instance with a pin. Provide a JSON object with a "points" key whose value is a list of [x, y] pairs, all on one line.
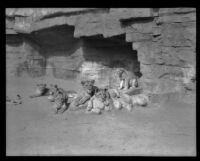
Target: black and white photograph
{"points": [[100, 81]]}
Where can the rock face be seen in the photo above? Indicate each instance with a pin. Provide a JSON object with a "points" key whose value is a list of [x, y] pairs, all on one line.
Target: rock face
{"points": [[23, 57], [81, 42]]}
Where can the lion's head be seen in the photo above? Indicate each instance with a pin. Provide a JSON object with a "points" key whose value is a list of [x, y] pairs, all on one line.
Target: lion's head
{"points": [[41, 87], [53, 89], [88, 85], [101, 94], [119, 72]]}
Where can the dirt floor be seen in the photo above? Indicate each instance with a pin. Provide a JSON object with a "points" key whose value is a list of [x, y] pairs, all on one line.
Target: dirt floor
{"points": [[33, 129]]}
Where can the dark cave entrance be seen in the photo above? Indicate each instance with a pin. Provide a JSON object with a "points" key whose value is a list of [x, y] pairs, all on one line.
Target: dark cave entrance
{"points": [[104, 55]]}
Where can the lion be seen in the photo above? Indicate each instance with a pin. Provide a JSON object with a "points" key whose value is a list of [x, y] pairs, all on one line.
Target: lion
{"points": [[16, 101], [60, 102], [41, 90], [115, 95], [140, 100], [95, 106], [53, 91], [129, 102], [59, 97], [125, 101], [81, 101], [120, 100], [127, 79], [100, 101]]}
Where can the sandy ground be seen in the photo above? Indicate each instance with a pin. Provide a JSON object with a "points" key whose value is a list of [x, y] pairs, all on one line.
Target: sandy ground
{"points": [[33, 129]]}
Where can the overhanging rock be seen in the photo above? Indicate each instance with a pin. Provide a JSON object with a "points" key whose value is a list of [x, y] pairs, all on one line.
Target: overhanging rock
{"points": [[87, 21]]}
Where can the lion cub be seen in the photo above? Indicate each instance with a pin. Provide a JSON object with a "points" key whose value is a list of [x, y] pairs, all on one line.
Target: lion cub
{"points": [[82, 99], [100, 101], [127, 80]]}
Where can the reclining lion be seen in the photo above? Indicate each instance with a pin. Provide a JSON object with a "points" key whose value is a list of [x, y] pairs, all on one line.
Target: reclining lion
{"points": [[81, 101], [100, 101]]}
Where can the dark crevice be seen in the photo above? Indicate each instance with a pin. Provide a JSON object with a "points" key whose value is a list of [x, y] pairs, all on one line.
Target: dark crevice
{"points": [[30, 39], [161, 23], [130, 21], [10, 18], [111, 41], [155, 9], [156, 36], [57, 36], [14, 40], [55, 28]]}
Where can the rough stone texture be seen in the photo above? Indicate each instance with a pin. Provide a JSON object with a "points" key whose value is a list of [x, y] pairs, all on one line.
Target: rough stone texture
{"points": [[137, 37], [64, 65], [42, 12], [23, 57], [95, 58], [14, 54], [177, 18], [182, 56], [179, 34], [164, 38], [168, 11], [100, 23], [149, 52], [142, 26], [89, 24], [125, 13], [161, 86]]}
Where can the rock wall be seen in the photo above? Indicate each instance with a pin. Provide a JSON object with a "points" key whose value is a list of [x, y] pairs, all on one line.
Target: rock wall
{"points": [[66, 57], [164, 38], [171, 50], [23, 57]]}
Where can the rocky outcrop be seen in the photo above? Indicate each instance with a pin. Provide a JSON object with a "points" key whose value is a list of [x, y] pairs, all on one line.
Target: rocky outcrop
{"points": [[165, 41]]}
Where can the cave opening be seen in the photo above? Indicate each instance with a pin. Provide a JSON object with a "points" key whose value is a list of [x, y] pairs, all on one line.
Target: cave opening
{"points": [[104, 55], [58, 47]]}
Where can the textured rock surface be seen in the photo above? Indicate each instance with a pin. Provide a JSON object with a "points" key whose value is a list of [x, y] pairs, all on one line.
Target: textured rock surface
{"points": [[176, 35], [23, 57], [164, 38]]}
